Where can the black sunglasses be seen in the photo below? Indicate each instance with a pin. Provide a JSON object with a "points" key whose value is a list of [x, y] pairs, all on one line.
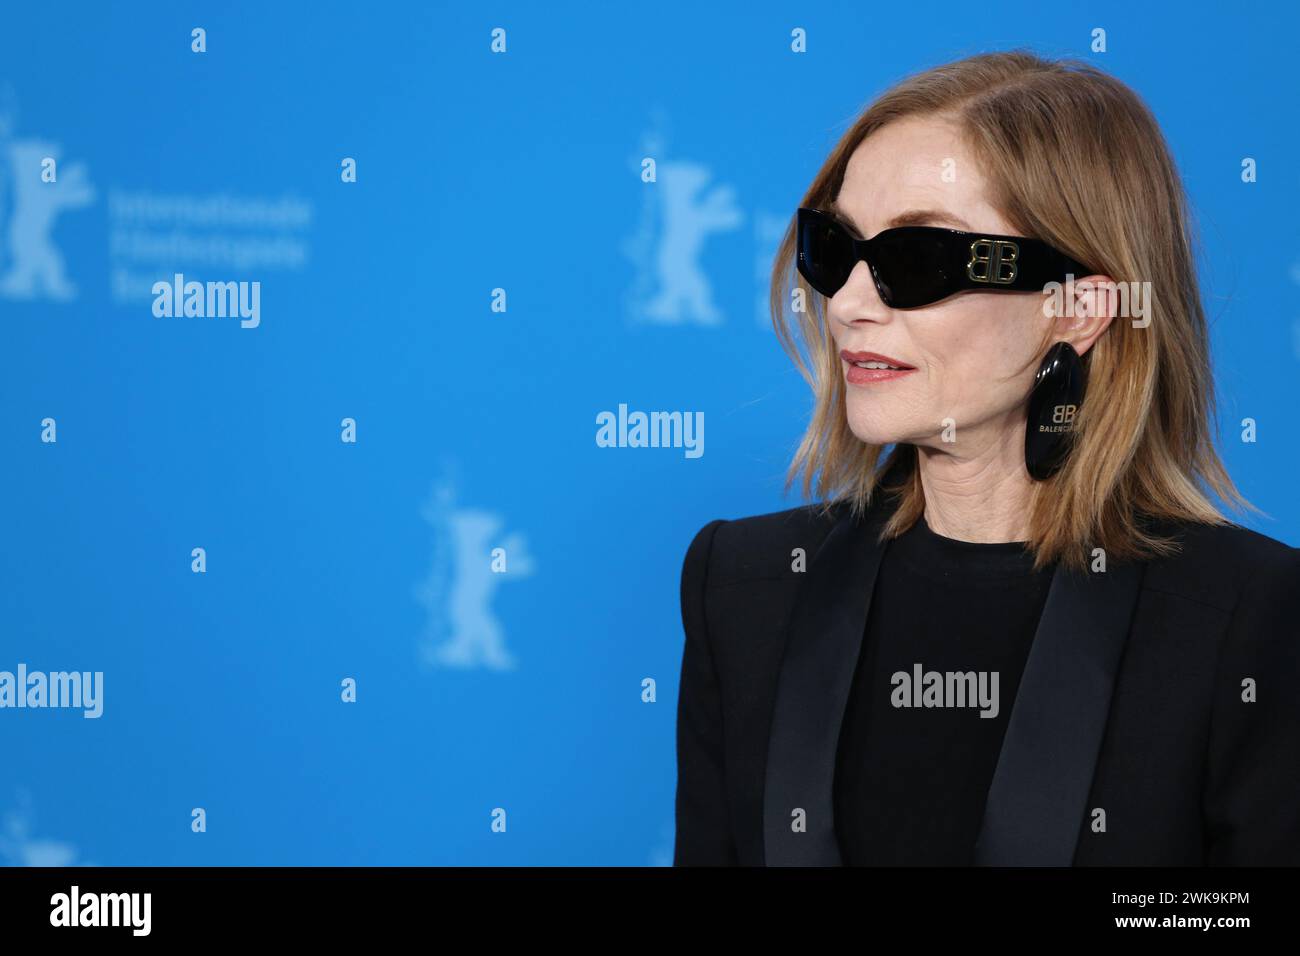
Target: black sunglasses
{"points": [[917, 265]]}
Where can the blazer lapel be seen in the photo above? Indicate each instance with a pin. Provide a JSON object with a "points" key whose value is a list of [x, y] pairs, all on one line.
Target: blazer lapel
{"points": [[823, 638], [1036, 802]]}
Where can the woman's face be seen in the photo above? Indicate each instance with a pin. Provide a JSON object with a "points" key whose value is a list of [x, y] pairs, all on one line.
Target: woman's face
{"points": [[974, 354]]}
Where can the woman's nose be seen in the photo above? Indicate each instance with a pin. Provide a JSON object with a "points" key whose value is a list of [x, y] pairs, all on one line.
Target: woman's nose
{"points": [[858, 300]]}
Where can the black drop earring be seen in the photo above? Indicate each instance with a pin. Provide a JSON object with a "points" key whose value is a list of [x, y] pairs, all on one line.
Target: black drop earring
{"points": [[1053, 406]]}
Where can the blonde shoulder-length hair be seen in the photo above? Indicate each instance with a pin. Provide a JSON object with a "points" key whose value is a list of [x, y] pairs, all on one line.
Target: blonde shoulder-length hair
{"points": [[1071, 156]]}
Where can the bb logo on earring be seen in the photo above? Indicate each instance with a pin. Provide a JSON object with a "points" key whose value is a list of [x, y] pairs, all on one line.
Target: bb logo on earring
{"points": [[1064, 414], [1053, 406]]}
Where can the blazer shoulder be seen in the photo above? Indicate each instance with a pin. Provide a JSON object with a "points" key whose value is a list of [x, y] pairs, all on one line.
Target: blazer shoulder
{"points": [[758, 547], [1217, 564]]}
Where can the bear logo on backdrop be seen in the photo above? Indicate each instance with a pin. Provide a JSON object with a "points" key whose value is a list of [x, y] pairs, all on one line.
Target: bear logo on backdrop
{"points": [[682, 211], [19, 847], [35, 187], [471, 558]]}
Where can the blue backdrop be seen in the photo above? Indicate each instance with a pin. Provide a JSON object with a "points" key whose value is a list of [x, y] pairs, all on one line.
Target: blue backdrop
{"points": [[479, 686]]}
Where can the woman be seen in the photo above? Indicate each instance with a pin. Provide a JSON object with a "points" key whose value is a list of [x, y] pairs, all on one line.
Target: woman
{"points": [[1025, 635]]}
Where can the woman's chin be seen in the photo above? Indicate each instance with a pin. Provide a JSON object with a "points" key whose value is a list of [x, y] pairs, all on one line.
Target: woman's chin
{"points": [[874, 433]]}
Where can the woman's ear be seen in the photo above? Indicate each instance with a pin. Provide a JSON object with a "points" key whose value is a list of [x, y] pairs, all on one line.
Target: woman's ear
{"points": [[1084, 309]]}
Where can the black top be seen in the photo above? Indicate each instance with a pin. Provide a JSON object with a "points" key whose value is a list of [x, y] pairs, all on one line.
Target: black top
{"points": [[1134, 702], [946, 640]]}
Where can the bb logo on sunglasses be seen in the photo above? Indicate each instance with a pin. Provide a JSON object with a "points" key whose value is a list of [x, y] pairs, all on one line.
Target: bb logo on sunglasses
{"points": [[993, 260]]}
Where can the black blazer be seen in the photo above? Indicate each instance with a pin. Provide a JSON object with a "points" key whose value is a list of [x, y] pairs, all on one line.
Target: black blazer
{"points": [[1131, 701]]}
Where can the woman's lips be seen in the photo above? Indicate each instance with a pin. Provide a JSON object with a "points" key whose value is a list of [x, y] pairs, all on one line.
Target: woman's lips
{"points": [[866, 376], [856, 374]]}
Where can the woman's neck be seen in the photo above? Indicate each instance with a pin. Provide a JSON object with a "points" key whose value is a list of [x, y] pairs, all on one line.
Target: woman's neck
{"points": [[982, 496]]}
